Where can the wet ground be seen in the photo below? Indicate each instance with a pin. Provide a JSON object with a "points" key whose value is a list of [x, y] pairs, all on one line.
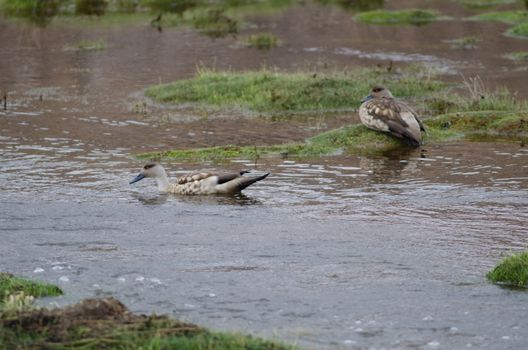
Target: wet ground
{"points": [[340, 252]]}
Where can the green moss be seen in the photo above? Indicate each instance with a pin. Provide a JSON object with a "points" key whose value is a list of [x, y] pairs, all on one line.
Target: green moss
{"points": [[512, 17], [87, 45], [273, 92], [410, 16], [512, 271], [517, 56], [261, 41], [10, 284], [520, 30]]}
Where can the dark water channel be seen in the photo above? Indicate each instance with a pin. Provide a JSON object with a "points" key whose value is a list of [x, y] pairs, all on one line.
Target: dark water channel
{"points": [[339, 252]]}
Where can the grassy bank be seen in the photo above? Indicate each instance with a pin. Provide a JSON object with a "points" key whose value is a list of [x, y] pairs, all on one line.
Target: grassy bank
{"points": [[101, 324], [477, 113], [271, 92], [357, 139], [512, 271]]}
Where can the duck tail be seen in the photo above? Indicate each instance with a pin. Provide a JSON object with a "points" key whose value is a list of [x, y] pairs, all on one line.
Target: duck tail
{"points": [[245, 182]]}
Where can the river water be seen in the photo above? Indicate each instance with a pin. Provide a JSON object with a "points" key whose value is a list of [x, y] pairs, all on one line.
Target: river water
{"points": [[329, 253]]}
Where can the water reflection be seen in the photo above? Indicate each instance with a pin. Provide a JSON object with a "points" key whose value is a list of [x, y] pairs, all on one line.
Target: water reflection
{"points": [[150, 199], [238, 199]]}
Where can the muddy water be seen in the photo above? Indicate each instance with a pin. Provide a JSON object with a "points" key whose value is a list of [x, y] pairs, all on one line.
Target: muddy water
{"points": [[341, 252]]}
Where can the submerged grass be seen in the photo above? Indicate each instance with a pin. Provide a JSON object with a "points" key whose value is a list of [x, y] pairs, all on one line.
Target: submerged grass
{"points": [[10, 284], [87, 45], [517, 56], [272, 92], [410, 16], [466, 42], [512, 271], [261, 41]]}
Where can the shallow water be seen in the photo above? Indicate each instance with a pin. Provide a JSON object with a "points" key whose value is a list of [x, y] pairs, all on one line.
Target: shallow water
{"points": [[340, 252]]}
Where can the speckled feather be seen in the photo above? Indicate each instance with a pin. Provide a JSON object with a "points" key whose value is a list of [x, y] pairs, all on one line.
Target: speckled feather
{"points": [[192, 177], [384, 113]]}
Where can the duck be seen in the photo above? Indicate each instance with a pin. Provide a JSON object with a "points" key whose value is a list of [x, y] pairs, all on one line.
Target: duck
{"points": [[382, 112], [198, 183]]}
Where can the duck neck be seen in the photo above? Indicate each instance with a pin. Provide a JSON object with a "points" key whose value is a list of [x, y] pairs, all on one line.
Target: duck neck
{"points": [[163, 181]]}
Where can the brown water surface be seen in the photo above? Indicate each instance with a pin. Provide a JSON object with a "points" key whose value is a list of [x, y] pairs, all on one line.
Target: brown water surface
{"points": [[335, 252]]}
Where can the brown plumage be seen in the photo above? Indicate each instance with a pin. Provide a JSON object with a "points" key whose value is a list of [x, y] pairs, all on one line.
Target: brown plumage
{"points": [[382, 112]]}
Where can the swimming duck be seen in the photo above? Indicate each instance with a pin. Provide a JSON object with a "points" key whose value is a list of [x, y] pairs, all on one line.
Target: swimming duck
{"points": [[381, 111], [198, 183]]}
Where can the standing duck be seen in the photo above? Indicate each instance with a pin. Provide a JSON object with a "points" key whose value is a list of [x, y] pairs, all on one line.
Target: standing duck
{"points": [[199, 183], [381, 111]]}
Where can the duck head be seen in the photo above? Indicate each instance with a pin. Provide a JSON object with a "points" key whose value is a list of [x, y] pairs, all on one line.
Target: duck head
{"points": [[378, 92], [149, 170]]}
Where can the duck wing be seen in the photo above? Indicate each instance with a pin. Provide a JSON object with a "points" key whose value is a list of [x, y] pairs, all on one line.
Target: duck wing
{"points": [[385, 109], [239, 182], [228, 177], [192, 178], [398, 117], [405, 108]]}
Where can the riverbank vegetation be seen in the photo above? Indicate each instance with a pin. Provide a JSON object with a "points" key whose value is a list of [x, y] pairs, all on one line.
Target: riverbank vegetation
{"points": [[475, 113], [101, 324]]}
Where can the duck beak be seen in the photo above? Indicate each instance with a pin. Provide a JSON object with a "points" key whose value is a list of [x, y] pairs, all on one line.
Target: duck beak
{"points": [[366, 98], [137, 178]]}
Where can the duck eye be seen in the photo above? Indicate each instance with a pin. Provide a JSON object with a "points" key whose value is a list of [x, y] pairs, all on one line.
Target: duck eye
{"points": [[377, 89], [148, 166]]}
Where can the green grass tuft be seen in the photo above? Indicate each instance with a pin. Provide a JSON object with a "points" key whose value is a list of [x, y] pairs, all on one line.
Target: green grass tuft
{"points": [[512, 271], [261, 41], [10, 284], [511, 17], [272, 92], [517, 56], [410, 16], [520, 30]]}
